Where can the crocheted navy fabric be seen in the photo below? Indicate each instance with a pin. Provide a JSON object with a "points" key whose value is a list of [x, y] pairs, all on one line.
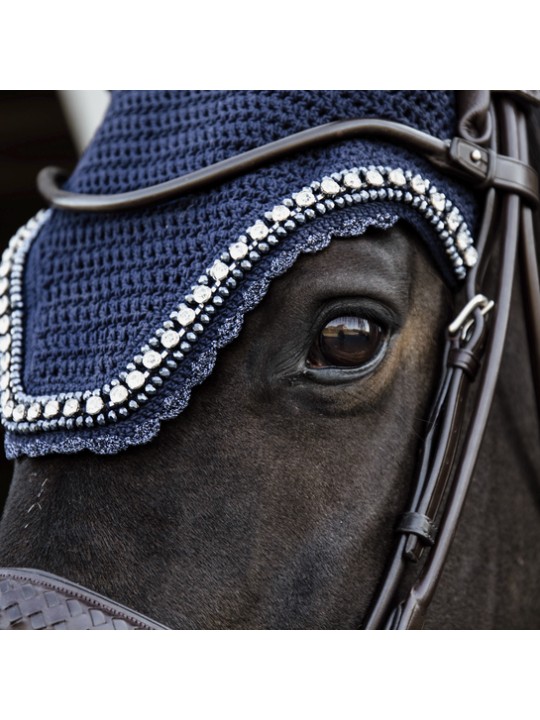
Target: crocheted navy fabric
{"points": [[96, 287]]}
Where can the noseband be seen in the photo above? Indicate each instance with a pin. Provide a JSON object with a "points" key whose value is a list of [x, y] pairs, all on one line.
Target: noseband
{"points": [[491, 154]]}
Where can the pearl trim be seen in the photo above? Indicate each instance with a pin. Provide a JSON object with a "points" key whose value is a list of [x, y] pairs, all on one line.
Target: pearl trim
{"points": [[163, 352]]}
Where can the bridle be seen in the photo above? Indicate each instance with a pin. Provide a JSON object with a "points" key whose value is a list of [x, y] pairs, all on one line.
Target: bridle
{"points": [[491, 155]]}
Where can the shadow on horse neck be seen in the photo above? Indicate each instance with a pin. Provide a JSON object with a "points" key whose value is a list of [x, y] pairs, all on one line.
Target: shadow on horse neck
{"points": [[271, 501]]}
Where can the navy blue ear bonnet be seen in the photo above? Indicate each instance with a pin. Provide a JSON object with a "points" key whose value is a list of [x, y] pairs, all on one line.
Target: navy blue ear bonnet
{"points": [[108, 321]]}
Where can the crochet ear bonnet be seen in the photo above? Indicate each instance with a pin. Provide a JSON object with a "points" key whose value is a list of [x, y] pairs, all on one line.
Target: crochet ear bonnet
{"points": [[109, 320]]}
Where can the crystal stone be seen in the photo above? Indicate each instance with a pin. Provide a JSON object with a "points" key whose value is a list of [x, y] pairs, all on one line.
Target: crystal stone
{"points": [[185, 315], [463, 239], [470, 256], [305, 198], [19, 413], [397, 177], [219, 270], [330, 187], [5, 322], [34, 412], [374, 178], [7, 409], [94, 405], [238, 250], [259, 231], [71, 407], [118, 394], [453, 220], [170, 339], [151, 359], [418, 184], [202, 293], [135, 379], [5, 362], [352, 181], [438, 200], [52, 408], [280, 213]]}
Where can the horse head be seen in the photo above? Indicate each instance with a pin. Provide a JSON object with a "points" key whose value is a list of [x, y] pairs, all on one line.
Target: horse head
{"points": [[220, 403]]}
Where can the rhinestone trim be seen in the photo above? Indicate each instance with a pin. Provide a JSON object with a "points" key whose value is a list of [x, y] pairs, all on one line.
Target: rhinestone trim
{"points": [[160, 356]]}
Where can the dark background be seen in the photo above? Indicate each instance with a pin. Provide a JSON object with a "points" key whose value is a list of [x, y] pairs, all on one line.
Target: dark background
{"points": [[33, 134]]}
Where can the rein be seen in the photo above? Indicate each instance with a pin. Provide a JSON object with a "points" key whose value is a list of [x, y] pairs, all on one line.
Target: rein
{"points": [[495, 160]]}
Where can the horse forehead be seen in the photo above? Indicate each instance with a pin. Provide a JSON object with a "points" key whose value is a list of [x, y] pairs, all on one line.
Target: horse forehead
{"points": [[377, 264]]}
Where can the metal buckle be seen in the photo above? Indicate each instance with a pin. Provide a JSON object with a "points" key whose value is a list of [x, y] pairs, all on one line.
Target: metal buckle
{"points": [[464, 320]]}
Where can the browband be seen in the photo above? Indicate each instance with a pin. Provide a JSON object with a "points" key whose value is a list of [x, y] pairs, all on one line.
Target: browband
{"points": [[462, 158]]}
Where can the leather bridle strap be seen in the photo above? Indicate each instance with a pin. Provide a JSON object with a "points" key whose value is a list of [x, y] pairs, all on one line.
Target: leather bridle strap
{"points": [[36, 600], [515, 225], [459, 157]]}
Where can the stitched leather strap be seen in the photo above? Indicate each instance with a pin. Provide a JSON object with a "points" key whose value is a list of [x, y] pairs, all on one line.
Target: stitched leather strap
{"points": [[36, 600]]}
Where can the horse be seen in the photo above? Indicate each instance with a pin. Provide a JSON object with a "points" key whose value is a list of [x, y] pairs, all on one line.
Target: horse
{"points": [[271, 501]]}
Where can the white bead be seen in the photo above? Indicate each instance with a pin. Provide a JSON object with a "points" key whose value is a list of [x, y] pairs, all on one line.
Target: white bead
{"points": [[330, 187], [202, 293], [374, 178], [71, 407], [238, 250], [4, 284], [258, 231], [185, 315], [4, 303], [5, 267], [418, 184], [151, 359], [4, 381], [5, 342], [305, 198], [19, 413], [135, 379], [34, 411], [52, 408], [94, 405], [280, 213], [118, 394], [352, 181], [170, 339], [397, 177]]}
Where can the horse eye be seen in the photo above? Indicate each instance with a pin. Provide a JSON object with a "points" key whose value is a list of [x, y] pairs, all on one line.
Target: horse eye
{"points": [[348, 341]]}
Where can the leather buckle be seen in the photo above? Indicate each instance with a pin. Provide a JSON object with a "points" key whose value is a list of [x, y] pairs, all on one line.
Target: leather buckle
{"points": [[493, 170]]}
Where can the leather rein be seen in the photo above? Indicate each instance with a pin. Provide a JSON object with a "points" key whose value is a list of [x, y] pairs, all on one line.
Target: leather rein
{"points": [[491, 154]]}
